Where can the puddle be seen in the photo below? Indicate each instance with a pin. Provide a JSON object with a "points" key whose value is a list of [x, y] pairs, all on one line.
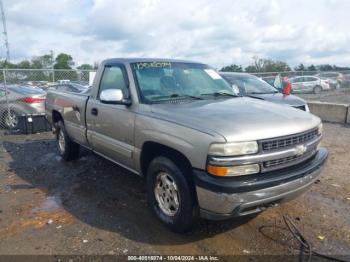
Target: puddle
{"points": [[50, 204]]}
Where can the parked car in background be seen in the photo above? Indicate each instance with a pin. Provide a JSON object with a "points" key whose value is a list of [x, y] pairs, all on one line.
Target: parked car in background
{"points": [[21, 100], [71, 87], [335, 79], [63, 81], [309, 84], [37, 84], [203, 150], [346, 81], [252, 86]]}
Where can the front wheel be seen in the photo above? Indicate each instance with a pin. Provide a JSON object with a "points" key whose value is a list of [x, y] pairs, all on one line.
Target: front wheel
{"points": [[68, 149], [170, 195]]}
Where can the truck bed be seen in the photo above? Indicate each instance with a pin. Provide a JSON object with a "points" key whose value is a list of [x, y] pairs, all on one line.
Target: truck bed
{"points": [[72, 107]]}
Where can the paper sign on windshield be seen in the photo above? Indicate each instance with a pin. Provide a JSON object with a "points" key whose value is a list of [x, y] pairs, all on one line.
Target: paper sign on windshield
{"points": [[213, 74], [146, 65]]}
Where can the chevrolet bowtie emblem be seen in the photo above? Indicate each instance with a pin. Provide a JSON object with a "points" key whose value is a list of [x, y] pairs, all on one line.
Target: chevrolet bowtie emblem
{"points": [[300, 149]]}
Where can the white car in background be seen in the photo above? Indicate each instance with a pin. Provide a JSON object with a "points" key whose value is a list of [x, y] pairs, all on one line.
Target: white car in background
{"points": [[336, 80], [309, 84]]}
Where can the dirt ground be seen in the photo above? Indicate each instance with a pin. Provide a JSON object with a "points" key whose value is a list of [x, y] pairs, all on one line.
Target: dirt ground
{"points": [[92, 206], [341, 96]]}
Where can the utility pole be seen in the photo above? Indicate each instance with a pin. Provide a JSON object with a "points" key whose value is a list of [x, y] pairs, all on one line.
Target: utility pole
{"points": [[6, 61], [5, 32]]}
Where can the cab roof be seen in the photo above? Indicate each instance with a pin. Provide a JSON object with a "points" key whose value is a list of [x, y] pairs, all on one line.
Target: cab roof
{"points": [[142, 60]]}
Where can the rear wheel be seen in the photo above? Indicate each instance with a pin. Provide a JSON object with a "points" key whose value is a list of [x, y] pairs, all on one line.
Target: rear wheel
{"points": [[170, 195], [317, 90], [68, 149], [10, 119]]}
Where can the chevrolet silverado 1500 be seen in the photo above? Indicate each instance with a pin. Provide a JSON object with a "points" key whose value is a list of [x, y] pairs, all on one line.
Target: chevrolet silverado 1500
{"points": [[203, 150]]}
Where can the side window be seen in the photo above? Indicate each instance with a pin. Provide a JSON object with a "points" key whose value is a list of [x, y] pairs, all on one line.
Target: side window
{"points": [[113, 78]]}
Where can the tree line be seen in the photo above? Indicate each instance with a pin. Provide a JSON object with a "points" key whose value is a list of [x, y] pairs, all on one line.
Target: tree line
{"points": [[261, 65], [47, 61]]}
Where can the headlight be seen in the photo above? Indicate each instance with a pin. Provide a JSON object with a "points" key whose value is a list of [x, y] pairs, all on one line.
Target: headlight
{"points": [[234, 149], [320, 129], [229, 171]]}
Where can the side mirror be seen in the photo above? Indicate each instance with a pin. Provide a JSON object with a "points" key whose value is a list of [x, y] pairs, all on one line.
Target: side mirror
{"points": [[114, 96]]}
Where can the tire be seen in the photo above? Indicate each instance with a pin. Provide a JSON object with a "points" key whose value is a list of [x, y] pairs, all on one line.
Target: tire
{"points": [[10, 121], [317, 90], [171, 195], [68, 149]]}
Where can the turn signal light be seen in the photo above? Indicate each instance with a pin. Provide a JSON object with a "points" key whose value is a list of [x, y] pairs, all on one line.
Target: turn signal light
{"points": [[224, 171]]}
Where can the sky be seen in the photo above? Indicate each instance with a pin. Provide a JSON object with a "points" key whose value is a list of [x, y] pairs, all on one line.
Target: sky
{"points": [[217, 32]]}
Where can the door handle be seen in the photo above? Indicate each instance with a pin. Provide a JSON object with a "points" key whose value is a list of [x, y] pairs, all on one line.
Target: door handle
{"points": [[94, 111]]}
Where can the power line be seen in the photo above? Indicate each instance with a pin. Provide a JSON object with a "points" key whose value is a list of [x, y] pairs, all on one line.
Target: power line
{"points": [[5, 31]]}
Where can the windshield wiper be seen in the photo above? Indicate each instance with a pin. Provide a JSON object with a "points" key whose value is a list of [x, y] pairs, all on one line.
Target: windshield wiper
{"points": [[178, 96], [185, 96], [216, 94]]}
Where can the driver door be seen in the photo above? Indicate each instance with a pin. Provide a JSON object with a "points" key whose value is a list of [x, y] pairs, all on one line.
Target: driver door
{"points": [[111, 126]]}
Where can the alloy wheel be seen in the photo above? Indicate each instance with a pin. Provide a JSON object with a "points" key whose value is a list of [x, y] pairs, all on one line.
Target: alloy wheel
{"points": [[166, 194]]}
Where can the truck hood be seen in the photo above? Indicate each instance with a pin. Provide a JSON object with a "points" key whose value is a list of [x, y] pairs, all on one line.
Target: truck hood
{"points": [[237, 119], [281, 99]]}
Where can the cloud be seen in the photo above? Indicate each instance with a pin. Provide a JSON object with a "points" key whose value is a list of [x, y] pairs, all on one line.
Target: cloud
{"points": [[216, 32]]}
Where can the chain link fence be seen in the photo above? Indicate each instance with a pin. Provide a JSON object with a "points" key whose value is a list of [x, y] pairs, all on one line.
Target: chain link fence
{"points": [[325, 86], [23, 91], [342, 75]]}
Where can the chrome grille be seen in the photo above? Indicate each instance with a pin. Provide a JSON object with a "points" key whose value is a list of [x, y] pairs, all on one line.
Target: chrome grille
{"points": [[278, 143], [280, 161], [287, 161]]}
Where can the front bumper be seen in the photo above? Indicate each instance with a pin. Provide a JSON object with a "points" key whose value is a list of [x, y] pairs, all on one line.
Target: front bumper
{"points": [[221, 198]]}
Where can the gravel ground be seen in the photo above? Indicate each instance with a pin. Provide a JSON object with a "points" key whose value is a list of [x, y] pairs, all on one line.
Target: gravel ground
{"points": [[92, 206], [341, 96]]}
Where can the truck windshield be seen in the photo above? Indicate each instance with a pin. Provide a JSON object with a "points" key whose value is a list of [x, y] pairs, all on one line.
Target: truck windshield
{"points": [[163, 81]]}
